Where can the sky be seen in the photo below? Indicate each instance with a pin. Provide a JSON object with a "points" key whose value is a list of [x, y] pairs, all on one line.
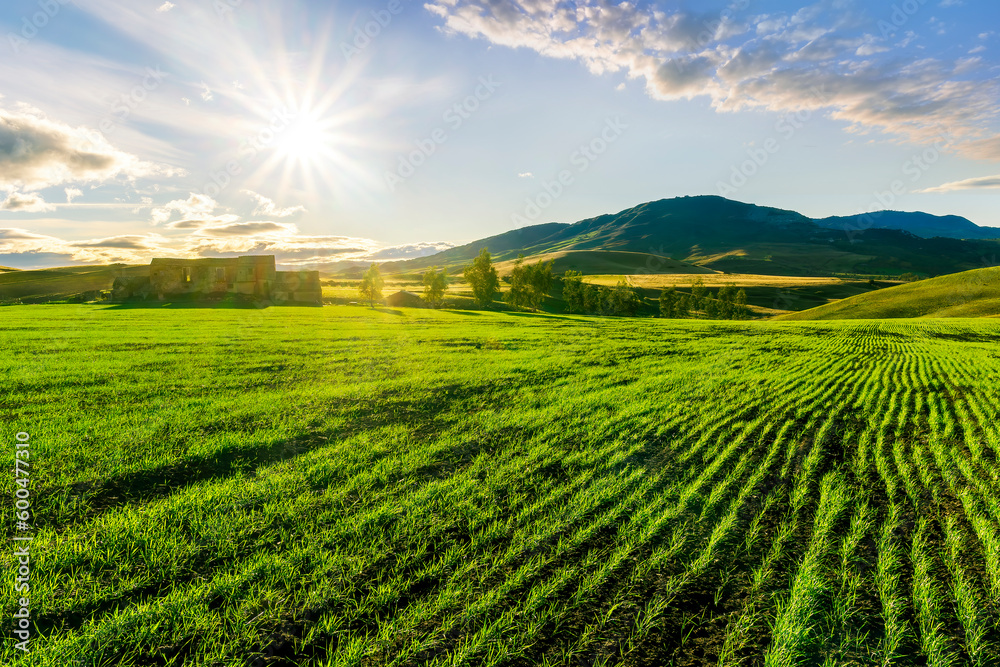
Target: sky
{"points": [[329, 131]]}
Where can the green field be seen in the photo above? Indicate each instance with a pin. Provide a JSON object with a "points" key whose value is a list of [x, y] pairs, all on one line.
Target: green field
{"points": [[342, 486]]}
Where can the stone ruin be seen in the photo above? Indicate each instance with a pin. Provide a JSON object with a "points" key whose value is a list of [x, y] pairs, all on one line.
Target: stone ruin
{"points": [[252, 276]]}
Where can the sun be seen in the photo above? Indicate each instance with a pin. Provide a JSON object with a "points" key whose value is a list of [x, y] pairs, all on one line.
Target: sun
{"points": [[309, 149], [312, 131], [304, 141]]}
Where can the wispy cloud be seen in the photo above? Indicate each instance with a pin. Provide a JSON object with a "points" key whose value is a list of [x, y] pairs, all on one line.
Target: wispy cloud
{"points": [[268, 208], [249, 229], [166, 6], [981, 183], [282, 240]]}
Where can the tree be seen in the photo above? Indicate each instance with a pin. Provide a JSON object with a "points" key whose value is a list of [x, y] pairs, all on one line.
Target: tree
{"points": [[741, 298], [435, 284], [592, 298], [727, 293], [482, 277], [623, 300], [698, 292], [668, 302], [573, 291], [605, 306], [683, 306], [541, 281], [371, 285], [712, 308], [519, 294]]}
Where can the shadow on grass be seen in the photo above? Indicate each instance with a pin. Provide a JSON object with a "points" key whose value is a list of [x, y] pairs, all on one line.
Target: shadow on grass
{"points": [[546, 316], [229, 304]]}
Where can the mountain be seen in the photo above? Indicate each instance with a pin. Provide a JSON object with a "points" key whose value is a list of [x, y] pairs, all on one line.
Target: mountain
{"points": [[968, 294], [924, 225], [730, 236]]}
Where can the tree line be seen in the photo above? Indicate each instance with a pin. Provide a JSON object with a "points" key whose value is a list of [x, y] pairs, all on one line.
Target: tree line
{"points": [[530, 283], [727, 303]]}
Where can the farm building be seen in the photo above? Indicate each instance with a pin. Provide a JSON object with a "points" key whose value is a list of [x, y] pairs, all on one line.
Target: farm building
{"points": [[250, 275]]}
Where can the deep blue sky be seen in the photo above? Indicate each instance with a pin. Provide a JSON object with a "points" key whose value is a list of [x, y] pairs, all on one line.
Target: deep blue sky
{"points": [[118, 118]]}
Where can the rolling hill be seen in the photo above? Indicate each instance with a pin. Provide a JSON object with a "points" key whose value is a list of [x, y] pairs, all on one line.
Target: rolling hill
{"points": [[968, 294], [594, 262], [923, 225], [725, 235], [60, 283]]}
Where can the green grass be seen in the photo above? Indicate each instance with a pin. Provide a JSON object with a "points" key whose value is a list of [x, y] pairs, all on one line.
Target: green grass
{"points": [[968, 294], [342, 486]]}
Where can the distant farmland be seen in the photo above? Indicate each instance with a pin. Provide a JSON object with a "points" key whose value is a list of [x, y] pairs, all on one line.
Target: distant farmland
{"points": [[343, 486]]}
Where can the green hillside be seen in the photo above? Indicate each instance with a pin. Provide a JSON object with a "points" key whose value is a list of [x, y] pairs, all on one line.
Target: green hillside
{"points": [[60, 283], [596, 262], [968, 294]]}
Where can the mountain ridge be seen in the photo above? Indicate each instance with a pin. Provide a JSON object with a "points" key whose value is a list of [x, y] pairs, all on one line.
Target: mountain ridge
{"points": [[734, 237]]}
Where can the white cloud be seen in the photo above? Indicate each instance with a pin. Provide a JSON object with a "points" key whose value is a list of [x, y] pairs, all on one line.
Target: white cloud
{"points": [[814, 60], [267, 207], [203, 221], [980, 183], [166, 6], [144, 203], [525, 174], [409, 251], [73, 193], [25, 203], [133, 249], [195, 206], [292, 250], [251, 238], [206, 93], [249, 229], [37, 153]]}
